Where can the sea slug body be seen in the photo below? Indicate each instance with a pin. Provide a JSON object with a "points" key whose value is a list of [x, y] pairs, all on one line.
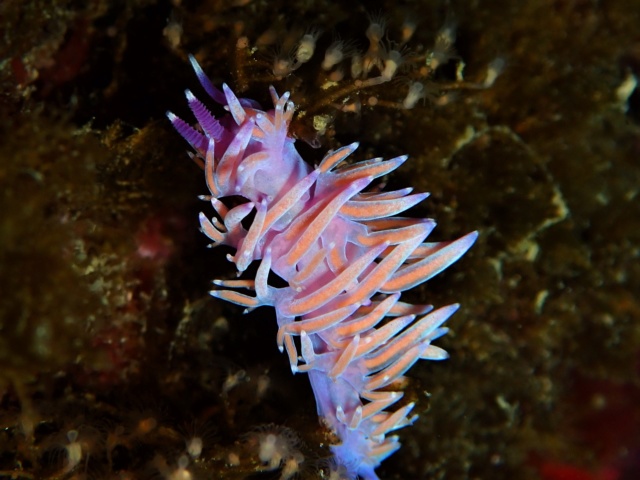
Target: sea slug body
{"points": [[345, 255]]}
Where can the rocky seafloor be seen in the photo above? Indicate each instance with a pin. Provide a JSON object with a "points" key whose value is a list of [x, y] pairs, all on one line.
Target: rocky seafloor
{"points": [[114, 361]]}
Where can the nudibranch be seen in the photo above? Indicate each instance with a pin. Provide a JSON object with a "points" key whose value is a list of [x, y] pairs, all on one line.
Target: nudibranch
{"points": [[345, 255]]}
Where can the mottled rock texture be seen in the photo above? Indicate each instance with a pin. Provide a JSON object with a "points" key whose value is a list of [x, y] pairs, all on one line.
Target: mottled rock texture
{"points": [[106, 328]]}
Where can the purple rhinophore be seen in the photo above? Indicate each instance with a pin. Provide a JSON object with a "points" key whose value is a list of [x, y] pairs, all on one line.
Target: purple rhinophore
{"points": [[345, 255]]}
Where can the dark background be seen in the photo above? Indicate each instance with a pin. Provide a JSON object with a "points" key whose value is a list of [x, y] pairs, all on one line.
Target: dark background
{"points": [[106, 327]]}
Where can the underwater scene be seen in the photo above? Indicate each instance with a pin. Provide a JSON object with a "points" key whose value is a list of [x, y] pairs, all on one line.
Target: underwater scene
{"points": [[250, 239]]}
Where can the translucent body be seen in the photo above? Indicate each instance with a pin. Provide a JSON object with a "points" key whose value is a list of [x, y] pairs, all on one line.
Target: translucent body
{"points": [[345, 255]]}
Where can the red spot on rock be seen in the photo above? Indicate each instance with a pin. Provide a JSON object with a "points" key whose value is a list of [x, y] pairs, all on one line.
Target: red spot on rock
{"points": [[561, 471], [153, 239], [70, 58], [20, 72]]}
